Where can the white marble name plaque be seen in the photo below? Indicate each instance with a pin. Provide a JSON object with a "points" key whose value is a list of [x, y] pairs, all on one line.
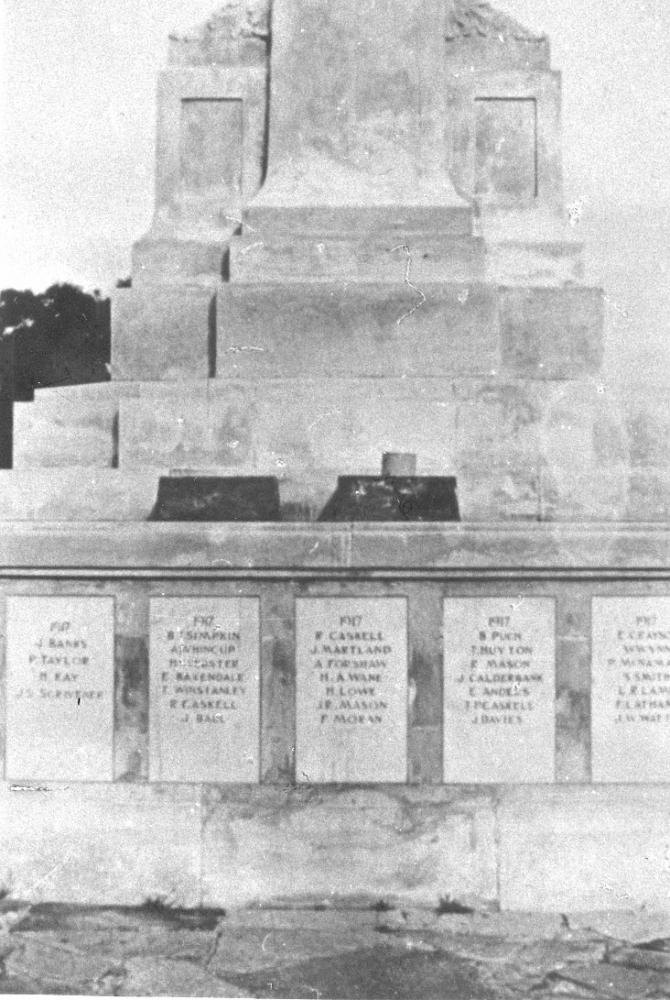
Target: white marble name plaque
{"points": [[204, 716], [351, 662], [60, 688], [630, 689], [499, 689]]}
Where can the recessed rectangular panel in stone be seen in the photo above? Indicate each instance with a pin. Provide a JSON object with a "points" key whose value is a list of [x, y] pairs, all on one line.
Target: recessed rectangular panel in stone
{"points": [[211, 146], [351, 661], [505, 150], [204, 714], [60, 688], [630, 689], [499, 701]]}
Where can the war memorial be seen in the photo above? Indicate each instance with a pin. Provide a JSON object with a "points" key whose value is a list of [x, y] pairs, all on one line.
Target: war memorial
{"points": [[351, 581]]}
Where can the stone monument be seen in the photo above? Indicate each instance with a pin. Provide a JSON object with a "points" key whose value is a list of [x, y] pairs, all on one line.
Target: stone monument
{"points": [[358, 248]]}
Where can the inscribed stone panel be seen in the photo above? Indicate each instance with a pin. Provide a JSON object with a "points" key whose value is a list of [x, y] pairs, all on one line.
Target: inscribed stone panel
{"points": [[205, 689], [351, 689], [60, 688], [499, 689], [630, 689]]}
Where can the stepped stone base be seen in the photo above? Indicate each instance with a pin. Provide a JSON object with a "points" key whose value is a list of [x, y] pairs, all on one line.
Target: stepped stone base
{"points": [[409, 327], [546, 449]]}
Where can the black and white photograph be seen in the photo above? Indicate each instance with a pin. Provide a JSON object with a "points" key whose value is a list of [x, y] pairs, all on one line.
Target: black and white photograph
{"points": [[335, 499]]}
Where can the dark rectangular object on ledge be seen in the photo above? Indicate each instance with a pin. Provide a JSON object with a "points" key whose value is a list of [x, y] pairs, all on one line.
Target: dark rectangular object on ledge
{"points": [[393, 498], [216, 498]]}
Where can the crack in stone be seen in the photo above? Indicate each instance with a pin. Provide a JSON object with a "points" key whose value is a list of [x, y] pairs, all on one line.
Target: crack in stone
{"points": [[409, 282]]}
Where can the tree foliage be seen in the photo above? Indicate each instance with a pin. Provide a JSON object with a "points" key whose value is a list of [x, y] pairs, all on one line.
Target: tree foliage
{"points": [[60, 336]]}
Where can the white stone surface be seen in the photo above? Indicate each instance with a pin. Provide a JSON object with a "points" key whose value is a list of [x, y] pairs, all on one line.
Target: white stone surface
{"points": [[499, 667], [579, 848], [205, 689], [351, 665], [630, 697], [60, 688], [113, 844]]}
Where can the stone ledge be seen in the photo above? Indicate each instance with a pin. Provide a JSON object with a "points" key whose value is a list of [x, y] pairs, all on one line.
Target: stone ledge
{"points": [[481, 549], [415, 257]]}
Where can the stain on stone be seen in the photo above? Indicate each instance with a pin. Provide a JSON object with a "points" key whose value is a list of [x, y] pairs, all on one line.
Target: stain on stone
{"points": [[234, 436], [135, 769], [572, 623], [132, 681], [573, 710], [425, 753], [211, 335], [282, 662], [279, 772], [115, 441], [270, 805], [573, 733], [424, 670]]}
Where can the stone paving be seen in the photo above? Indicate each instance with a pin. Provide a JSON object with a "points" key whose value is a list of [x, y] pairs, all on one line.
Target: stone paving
{"points": [[361, 950]]}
